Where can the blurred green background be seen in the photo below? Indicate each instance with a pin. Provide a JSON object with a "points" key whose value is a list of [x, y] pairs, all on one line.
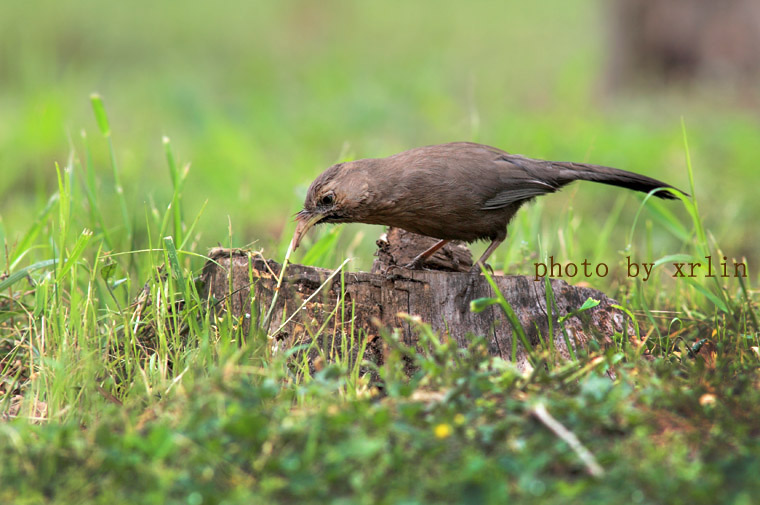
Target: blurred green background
{"points": [[262, 96]]}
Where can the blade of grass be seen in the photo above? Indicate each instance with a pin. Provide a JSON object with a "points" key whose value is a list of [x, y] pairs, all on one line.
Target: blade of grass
{"points": [[177, 184], [318, 254], [305, 302], [663, 215], [193, 225], [513, 319], [64, 209], [633, 319], [550, 302], [694, 211], [176, 269], [25, 244], [719, 302], [91, 193], [75, 254], [24, 273], [642, 205], [105, 129]]}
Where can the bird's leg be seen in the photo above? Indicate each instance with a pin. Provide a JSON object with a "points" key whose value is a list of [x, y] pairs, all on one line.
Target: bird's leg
{"points": [[420, 258], [482, 261]]}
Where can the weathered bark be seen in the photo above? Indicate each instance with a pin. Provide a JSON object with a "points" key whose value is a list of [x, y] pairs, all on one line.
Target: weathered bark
{"points": [[399, 247], [361, 304]]}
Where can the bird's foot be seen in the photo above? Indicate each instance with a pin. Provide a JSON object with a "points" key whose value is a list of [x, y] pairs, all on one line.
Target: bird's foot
{"points": [[416, 264]]}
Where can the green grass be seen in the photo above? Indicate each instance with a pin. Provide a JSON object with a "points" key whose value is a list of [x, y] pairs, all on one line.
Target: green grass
{"points": [[127, 390]]}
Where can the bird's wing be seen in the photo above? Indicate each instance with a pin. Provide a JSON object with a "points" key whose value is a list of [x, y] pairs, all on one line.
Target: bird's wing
{"points": [[516, 192]]}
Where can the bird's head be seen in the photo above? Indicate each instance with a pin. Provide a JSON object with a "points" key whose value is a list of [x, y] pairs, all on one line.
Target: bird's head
{"points": [[336, 196]]}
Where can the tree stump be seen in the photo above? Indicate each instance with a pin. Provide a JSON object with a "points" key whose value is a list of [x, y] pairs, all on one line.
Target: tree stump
{"points": [[353, 307]]}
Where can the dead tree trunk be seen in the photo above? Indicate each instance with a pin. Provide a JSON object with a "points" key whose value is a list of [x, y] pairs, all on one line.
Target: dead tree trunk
{"points": [[357, 305]]}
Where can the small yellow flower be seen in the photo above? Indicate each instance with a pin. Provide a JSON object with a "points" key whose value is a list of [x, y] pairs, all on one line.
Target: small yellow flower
{"points": [[459, 419], [442, 430]]}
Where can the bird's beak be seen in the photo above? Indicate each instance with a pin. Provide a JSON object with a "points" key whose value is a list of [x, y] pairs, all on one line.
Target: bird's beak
{"points": [[305, 221]]}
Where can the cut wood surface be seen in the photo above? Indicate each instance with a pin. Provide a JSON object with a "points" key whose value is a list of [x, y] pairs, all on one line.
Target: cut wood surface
{"points": [[309, 307]]}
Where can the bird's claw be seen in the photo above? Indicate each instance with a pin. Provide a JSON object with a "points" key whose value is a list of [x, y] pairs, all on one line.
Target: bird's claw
{"points": [[415, 264]]}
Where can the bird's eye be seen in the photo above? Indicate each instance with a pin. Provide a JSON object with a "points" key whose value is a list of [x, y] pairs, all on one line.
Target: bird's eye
{"points": [[328, 199]]}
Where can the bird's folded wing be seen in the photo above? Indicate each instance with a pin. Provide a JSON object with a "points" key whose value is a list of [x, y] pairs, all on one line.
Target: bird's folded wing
{"points": [[523, 190]]}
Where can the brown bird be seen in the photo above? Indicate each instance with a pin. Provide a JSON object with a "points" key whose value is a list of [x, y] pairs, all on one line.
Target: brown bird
{"points": [[456, 191]]}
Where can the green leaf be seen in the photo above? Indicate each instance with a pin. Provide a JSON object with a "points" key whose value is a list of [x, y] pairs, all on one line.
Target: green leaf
{"points": [[590, 303], [107, 270]]}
